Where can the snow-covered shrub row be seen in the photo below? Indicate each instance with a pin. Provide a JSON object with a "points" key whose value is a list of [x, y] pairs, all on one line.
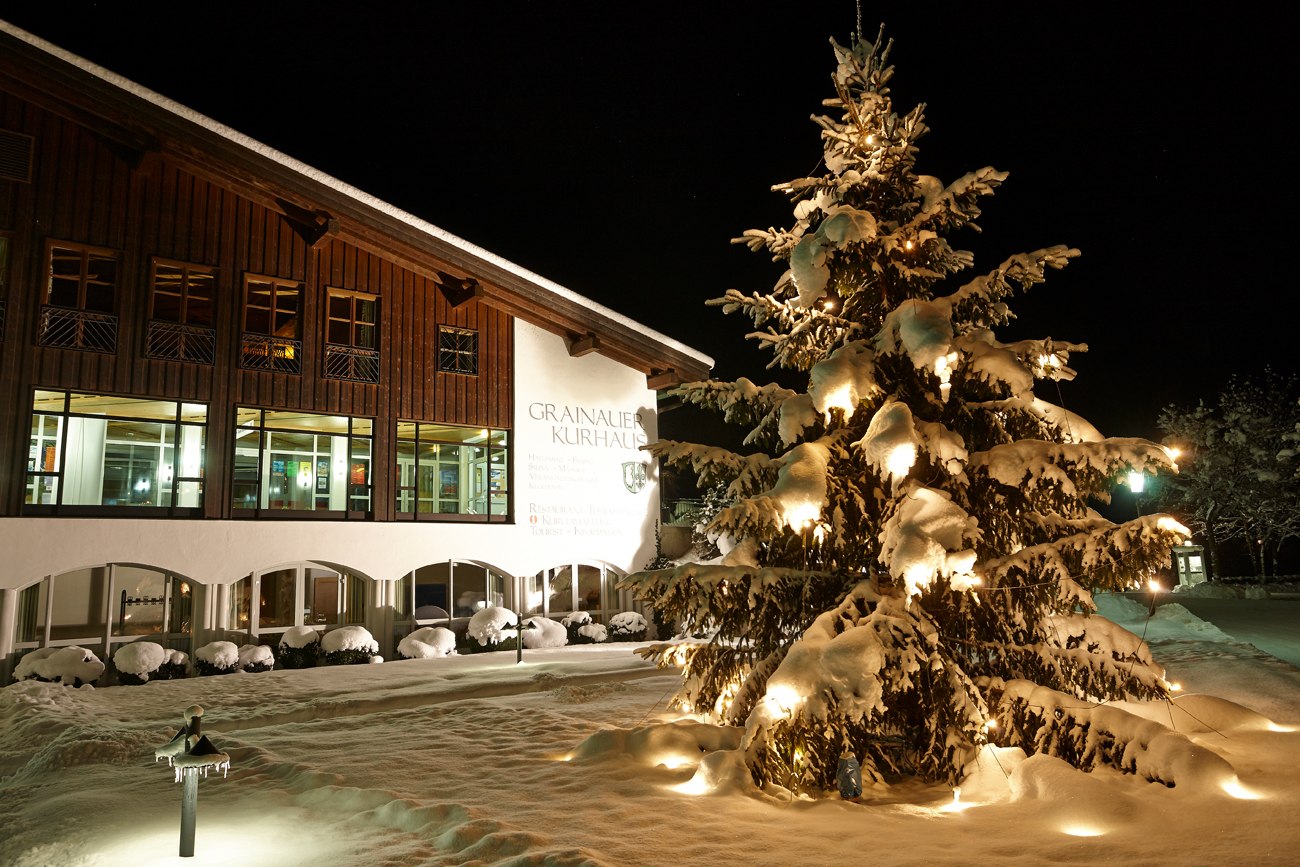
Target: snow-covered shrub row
{"points": [[299, 647], [256, 657], [428, 642], [70, 666], [216, 657], [349, 645], [628, 626], [545, 632], [141, 661], [493, 628], [583, 630]]}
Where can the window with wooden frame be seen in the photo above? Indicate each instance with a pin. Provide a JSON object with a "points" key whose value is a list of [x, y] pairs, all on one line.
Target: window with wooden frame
{"points": [[181, 313], [80, 295], [457, 350], [351, 335], [272, 324]]}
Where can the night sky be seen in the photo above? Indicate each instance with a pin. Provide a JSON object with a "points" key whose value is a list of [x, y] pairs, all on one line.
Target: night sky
{"points": [[616, 148]]}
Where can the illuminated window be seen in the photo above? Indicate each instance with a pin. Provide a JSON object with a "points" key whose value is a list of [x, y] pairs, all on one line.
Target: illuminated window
{"points": [[91, 450], [441, 593], [351, 337], [301, 462], [125, 602], [452, 471], [80, 294], [272, 325], [181, 312], [457, 350]]}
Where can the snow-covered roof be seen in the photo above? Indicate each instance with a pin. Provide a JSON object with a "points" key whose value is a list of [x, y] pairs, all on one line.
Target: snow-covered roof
{"points": [[441, 237]]}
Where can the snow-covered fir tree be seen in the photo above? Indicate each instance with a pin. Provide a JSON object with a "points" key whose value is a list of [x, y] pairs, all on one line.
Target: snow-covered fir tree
{"points": [[911, 551]]}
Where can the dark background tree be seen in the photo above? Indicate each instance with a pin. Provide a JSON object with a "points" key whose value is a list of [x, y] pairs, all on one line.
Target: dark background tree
{"points": [[1237, 485]]}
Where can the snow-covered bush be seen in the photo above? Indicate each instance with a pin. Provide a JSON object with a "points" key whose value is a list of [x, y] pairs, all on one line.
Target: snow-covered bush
{"points": [[493, 628], [216, 657], [256, 657], [141, 661], [582, 630], [428, 642], [592, 633], [70, 666], [299, 647], [348, 645], [545, 632], [628, 626]]}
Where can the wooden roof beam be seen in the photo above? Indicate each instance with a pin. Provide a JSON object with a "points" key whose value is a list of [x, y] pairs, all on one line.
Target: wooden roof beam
{"points": [[661, 379], [582, 344], [458, 290], [312, 226]]}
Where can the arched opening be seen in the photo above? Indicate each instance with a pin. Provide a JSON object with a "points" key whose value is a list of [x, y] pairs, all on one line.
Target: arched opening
{"points": [[263, 604], [448, 593], [573, 587], [103, 607]]}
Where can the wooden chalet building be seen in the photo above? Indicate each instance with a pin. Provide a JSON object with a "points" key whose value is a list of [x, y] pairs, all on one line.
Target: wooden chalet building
{"points": [[239, 395]]}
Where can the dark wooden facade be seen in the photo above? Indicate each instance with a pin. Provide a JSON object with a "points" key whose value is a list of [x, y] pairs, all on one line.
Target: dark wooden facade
{"points": [[84, 191], [119, 168]]}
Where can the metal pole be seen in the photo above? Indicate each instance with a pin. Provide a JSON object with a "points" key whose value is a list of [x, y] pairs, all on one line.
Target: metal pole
{"points": [[189, 806], [519, 620]]}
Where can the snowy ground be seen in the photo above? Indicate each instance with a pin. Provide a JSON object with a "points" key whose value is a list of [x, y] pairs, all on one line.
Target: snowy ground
{"points": [[462, 760]]}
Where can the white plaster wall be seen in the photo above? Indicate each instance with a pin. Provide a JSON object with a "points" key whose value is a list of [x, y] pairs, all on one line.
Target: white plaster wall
{"points": [[570, 500], [578, 421]]}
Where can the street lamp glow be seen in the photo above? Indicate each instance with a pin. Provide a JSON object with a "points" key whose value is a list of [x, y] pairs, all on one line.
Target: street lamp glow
{"points": [[1136, 482]]}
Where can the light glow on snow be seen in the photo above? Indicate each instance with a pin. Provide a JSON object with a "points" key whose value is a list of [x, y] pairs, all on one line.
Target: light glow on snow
{"points": [[800, 516], [1235, 788], [1079, 830], [1169, 525], [842, 399], [785, 697], [696, 785], [957, 805], [900, 459]]}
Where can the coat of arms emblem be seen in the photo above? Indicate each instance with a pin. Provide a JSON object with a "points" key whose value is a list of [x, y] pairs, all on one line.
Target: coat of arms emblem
{"points": [[634, 477]]}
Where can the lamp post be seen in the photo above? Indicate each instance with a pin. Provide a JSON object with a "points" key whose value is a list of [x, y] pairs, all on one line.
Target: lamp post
{"points": [[519, 637], [190, 753], [1137, 483]]}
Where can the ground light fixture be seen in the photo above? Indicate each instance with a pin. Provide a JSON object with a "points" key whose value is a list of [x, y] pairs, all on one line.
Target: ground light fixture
{"points": [[190, 754]]}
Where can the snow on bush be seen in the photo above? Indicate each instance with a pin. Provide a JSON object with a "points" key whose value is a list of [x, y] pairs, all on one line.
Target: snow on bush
{"points": [[1044, 720], [493, 628], [1216, 590], [592, 633], [70, 666], [545, 633], [256, 657], [216, 657], [627, 626], [582, 630], [141, 661], [1072, 799], [348, 645], [674, 744], [299, 647], [428, 642]]}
